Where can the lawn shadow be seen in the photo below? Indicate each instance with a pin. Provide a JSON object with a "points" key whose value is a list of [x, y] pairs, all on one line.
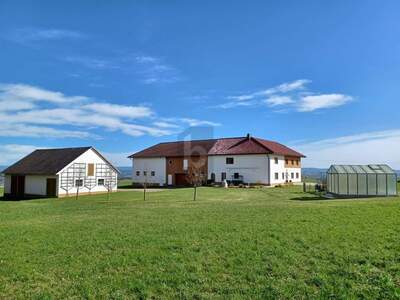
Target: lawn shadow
{"points": [[312, 196]]}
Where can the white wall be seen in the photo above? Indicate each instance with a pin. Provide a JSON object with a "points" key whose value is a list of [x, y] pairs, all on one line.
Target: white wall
{"points": [[253, 168], [89, 157], [36, 185], [7, 184], [156, 164], [277, 168], [294, 171]]}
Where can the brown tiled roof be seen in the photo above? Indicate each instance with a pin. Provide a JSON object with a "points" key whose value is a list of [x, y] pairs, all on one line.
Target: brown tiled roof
{"points": [[45, 161], [182, 148], [224, 146]]}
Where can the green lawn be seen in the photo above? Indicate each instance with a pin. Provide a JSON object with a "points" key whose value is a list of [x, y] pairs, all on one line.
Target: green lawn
{"points": [[237, 243]]}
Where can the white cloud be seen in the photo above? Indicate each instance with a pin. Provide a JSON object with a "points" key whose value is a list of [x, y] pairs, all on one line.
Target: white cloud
{"points": [[10, 153], [162, 124], [29, 93], [315, 102], [15, 105], [293, 95], [149, 69], [366, 148], [132, 112], [146, 59], [235, 104], [31, 119], [28, 35], [92, 63], [288, 87], [22, 130], [282, 88], [278, 100], [196, 122]]}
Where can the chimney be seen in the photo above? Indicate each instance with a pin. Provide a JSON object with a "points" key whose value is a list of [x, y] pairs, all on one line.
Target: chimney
{"points": [[248, 136]]}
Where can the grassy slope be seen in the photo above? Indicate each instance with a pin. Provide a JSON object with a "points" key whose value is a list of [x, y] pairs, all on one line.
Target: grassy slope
{"points": [[231, 243]]}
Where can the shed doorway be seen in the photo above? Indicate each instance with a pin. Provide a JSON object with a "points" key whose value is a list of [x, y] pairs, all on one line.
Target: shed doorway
{"points": [[51, 187], [17, 186]]}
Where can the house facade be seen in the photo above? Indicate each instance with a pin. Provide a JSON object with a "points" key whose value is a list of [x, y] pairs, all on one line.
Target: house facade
{"points": [[60, 173], [238, 160]]}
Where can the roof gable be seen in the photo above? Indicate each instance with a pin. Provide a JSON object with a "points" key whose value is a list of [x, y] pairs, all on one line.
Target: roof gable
{"points": [[45, 161]]}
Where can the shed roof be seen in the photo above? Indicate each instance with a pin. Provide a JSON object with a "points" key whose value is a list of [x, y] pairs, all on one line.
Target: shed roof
{"points": [[361, 169], [48, 161]]}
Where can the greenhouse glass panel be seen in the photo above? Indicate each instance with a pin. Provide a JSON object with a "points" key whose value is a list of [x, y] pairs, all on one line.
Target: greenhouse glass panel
{"points": [[392, 184], [362, 184], [343, 184], [353, 184], [372, 185], [381, 187]]}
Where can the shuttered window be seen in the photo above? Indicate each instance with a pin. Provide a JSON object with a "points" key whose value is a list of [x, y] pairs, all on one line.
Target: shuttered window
{"points": [[90, 171]]}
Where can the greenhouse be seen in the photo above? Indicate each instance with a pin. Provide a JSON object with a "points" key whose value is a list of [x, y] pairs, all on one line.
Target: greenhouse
{"points": [[361, 180]]}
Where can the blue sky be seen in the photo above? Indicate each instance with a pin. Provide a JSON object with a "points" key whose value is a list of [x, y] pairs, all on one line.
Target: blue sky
{"points": [[320, 77]]}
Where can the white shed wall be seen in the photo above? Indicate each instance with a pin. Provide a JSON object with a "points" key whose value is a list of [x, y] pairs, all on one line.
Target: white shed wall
{"points": [[253, 168], [36, 185], [156, 164], [89, 157]]}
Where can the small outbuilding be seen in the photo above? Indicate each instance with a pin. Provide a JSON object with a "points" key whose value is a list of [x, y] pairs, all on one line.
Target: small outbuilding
{"points": [[361, 180], [60, 172]]}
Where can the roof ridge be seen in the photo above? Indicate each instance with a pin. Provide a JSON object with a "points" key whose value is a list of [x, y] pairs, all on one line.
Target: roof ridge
{"points": [[202, 140], [66, 148]]}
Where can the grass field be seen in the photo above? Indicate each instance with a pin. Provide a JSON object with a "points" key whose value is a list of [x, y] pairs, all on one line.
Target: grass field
{"points": [[236, 243]]}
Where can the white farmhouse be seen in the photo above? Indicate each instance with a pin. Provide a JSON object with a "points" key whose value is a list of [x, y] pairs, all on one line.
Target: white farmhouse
{"points": [[59, 173], [238, 160]]}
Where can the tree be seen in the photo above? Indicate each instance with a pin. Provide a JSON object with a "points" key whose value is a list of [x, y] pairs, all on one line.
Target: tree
{"points": [[195, 176], [144, 184]]}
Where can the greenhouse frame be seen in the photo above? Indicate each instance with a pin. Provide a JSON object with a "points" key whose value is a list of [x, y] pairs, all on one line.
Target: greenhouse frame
{"points": [[361, 180]]}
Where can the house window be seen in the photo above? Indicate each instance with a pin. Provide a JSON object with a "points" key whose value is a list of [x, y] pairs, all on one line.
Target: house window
{"points": [[292, 162], [79, 182], [144, 173], [283, 175], [286, 161], [137, 173], [153, 173], [170, 162], [185, 164], [297, 175], [276, 176], [236, 175], [276, 160], [292, 175], [223, 176], [213, 177], [229, 160], [297, 162], [100, 181], [90, 171]]}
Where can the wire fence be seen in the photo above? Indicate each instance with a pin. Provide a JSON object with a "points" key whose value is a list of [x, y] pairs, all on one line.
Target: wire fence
{"points": [[313, 187]]}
